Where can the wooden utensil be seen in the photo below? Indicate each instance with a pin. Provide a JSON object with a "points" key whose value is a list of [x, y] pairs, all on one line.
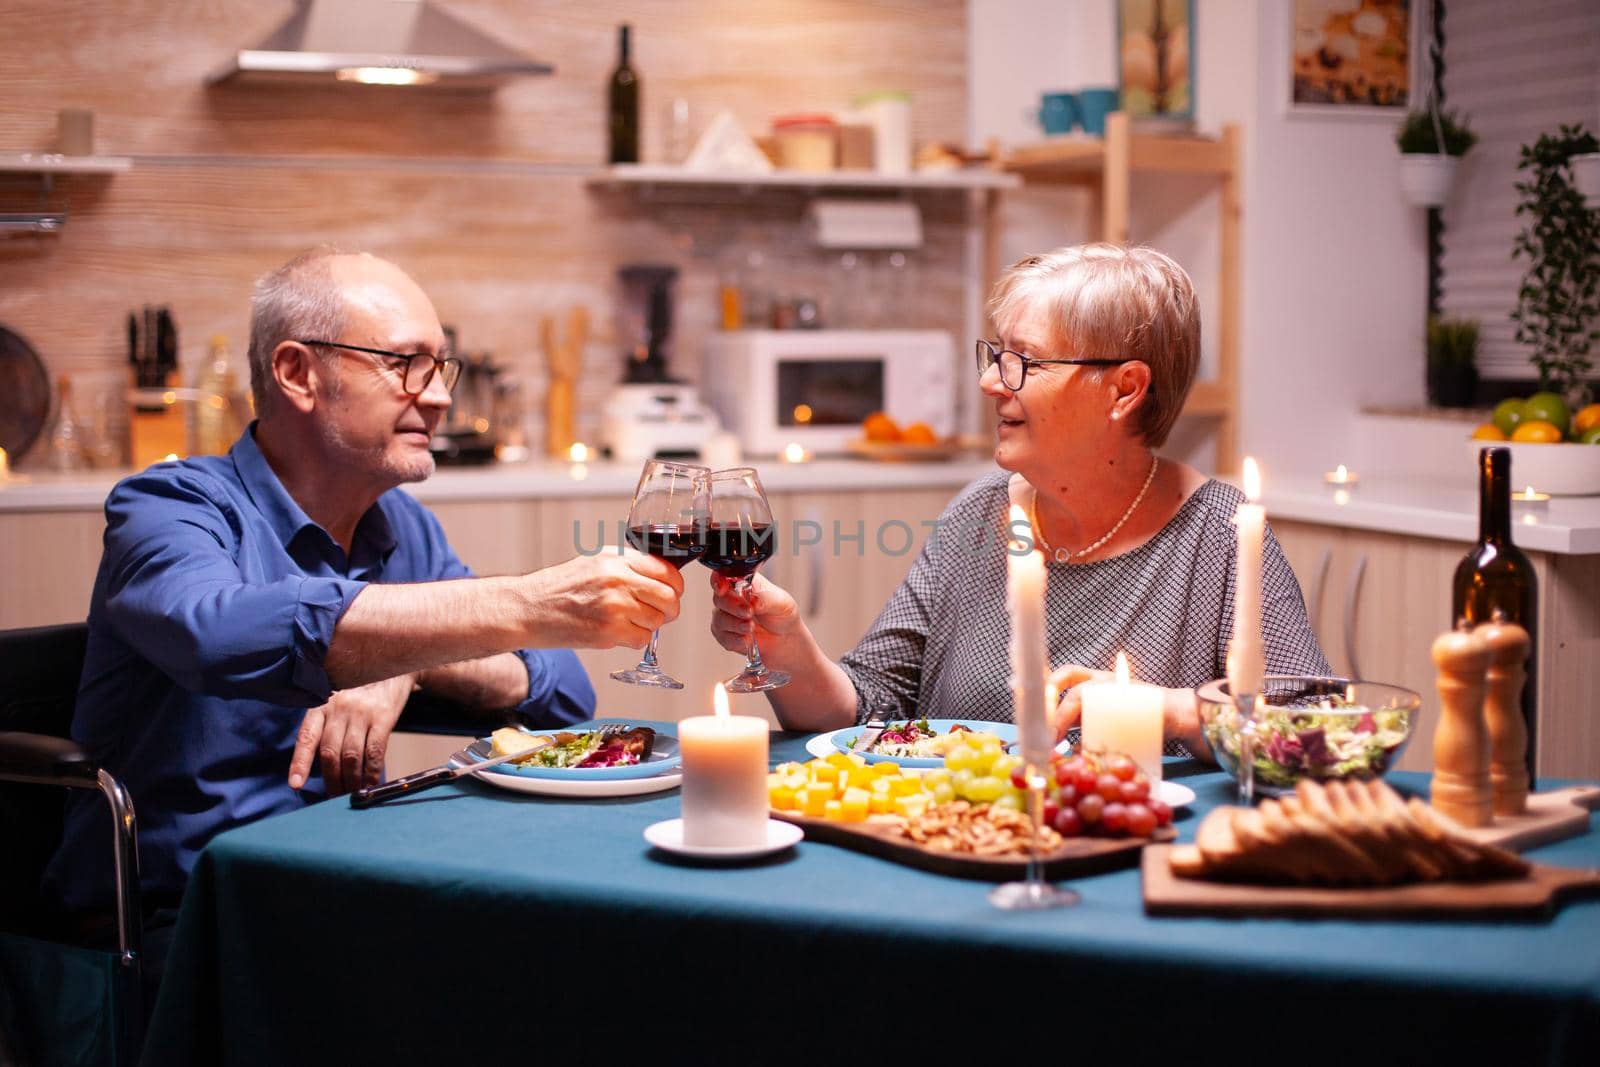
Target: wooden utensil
{"points": [[1461, 742], [1502, 711], [564, 363]]}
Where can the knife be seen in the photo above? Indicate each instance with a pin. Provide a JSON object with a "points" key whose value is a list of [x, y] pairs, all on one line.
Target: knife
{"points": [[869, 737], [462, 762]]}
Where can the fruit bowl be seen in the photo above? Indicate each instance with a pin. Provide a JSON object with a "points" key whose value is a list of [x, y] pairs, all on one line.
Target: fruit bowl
{"points": [[1561, 469], [1312, 727]]}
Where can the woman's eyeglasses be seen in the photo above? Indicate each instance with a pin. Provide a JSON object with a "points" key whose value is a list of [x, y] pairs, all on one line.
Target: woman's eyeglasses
{"points": [[419, 366], [1014, 365]]}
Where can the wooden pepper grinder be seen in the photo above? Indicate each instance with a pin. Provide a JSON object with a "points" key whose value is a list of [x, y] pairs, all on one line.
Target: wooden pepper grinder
{"points": [[1461, 787], [1502, 706]]}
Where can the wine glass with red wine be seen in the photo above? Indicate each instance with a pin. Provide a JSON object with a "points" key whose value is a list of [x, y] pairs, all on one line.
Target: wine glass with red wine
{"points": [[668, 520], [740, 538]]}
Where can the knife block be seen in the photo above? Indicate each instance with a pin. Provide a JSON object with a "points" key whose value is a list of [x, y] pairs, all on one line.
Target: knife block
{"points": [[158, 425]]}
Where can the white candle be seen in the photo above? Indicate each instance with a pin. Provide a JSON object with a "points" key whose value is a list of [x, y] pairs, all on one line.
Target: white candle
{"points": [[1122, 716], [724, 778], [1246, 657], [1341, 475], [1025, 589], [5, 466]]}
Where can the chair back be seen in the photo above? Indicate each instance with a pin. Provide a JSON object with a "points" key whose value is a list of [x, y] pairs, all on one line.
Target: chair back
{"points": [[39, 672]]}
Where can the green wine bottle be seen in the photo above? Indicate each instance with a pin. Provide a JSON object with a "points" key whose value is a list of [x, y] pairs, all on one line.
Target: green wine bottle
{"points": [[624, 104], [1496, 575]]}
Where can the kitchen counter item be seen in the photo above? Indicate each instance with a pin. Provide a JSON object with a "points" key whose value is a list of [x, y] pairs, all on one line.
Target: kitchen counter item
{"points": [[563, 358], [661, 421], [24, 395], [806, 142]]}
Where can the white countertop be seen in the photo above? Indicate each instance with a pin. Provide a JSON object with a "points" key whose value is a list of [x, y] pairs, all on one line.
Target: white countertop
{"points": [[1408, 506], [87, 492]]}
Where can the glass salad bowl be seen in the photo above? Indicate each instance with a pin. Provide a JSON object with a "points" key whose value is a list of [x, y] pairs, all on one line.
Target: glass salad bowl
{"points": [[1314, 727]]}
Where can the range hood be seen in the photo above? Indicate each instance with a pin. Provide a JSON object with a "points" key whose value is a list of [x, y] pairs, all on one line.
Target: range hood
{"points": [[377, 42]]}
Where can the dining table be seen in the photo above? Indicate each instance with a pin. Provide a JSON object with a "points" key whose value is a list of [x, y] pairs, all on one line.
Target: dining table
{"points": [[471, 924]]}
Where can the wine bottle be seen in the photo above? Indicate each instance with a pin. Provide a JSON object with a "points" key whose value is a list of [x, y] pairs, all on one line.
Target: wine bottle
{"points": [[624, 104], [1495, 575]]}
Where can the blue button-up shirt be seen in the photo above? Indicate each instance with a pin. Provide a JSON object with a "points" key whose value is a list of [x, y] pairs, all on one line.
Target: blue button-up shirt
{"points": [[212, 613]]}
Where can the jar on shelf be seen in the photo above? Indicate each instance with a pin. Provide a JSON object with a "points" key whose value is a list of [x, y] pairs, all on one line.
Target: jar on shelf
{"points": [[807, 142]]}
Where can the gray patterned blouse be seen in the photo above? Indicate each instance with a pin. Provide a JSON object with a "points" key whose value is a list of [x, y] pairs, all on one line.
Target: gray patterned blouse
{"points": [[940, 646]]}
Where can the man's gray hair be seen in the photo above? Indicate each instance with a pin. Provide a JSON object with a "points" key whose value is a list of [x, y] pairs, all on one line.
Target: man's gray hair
{"points": [[299, 300]]}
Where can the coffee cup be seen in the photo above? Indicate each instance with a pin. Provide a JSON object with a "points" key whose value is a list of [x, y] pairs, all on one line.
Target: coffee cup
{"points": [[1058, 112], [1093, 107]]}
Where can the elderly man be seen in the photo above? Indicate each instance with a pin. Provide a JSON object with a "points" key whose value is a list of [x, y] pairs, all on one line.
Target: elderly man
{"points": [[260, 619]]}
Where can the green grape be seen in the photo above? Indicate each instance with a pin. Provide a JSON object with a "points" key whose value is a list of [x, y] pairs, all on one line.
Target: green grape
{"points": [[936, 777], [1004, 765], [1012, 800], [962, 780], [943, 793], [961, 758], [987, 789]]}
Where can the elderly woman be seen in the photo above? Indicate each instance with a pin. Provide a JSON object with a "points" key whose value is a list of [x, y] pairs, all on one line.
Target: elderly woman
{"points": [[1097, 350]]}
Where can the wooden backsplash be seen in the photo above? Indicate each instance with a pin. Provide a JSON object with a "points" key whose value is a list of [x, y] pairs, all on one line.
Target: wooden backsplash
{"points": [[483, 198]]}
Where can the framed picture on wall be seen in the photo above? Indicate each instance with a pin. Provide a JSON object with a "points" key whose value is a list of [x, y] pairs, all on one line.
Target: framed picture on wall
{"points": [[1155, 60], [1353, 57]]}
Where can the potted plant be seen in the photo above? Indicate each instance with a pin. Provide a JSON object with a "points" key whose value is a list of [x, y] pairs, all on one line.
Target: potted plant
{"points": [[1452, 362], [1558, 306], [1426, 170]]}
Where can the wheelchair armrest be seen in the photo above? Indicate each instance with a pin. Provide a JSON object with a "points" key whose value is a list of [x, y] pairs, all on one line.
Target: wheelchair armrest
{"points": [[46, 760]]}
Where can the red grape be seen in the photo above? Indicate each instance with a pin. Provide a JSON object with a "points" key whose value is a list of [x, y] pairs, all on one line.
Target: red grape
{"points": [[1141, 820], [1122, 766], [1135, 791], [1086, 780], [1114, 818], [1091, 807], [1068, 796], [1068, 823], [1019, 778], [1109, 786], [1064, 772], [1161, 810], [1051, 810]]}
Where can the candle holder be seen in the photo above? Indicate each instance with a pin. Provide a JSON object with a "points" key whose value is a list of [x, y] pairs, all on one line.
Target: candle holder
{"points": [[1341, 477], [1033, 893], [1529, 503]]}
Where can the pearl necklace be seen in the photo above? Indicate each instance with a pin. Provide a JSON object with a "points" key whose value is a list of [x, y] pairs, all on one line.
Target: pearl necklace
{"points": [[1061, 554]]}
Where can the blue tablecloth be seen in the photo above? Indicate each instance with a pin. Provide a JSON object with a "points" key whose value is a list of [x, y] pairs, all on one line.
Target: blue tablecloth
{"points": [[472, 924]]}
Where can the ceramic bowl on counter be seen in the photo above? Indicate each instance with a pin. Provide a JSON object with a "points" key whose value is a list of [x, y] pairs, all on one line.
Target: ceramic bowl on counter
{"points": [[1306, 726]]}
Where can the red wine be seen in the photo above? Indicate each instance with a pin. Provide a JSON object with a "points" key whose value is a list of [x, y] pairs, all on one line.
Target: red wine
{"points": [[623, 105], [1496, 576], [735, 551], [679, 544]]}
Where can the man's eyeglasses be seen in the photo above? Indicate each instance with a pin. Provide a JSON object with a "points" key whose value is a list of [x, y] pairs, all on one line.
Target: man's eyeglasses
{"points": [[1014, 365], [419, 366]]}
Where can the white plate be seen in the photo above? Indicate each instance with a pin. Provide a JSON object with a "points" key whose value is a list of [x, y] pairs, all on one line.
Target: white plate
{"points": [[1176, 794], [567, 787], [668, 836]]}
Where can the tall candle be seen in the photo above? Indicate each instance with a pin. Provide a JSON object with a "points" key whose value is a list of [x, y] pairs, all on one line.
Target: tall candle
{"points": [[1246, 658], [1025, 589], [724, 778], [1123, 716]]}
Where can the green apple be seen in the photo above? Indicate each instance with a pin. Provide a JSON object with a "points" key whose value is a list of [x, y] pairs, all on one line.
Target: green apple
{"points": [[1507, 414], [1591, 436], [1547, 407]]}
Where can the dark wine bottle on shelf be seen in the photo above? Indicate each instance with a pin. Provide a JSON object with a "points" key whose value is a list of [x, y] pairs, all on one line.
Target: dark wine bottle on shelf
{"points": [[1496, 575], [624, 103]]}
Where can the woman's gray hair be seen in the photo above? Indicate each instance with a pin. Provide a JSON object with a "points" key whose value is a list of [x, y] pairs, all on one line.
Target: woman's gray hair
{"points": [[298, 300], [1105, 301]]}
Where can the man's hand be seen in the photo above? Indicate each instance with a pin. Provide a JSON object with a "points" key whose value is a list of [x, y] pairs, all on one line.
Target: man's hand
{"points": [[350, 733], [608, 599], [735, 619]]}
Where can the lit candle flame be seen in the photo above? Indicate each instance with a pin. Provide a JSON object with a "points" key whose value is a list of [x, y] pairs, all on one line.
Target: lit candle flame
{"points": [[1252, 479], [1528, 491], [719, 701], [794, 452], [1124, 676], [579, 452]]}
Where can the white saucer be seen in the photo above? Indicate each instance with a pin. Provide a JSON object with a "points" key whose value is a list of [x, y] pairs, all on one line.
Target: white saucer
{"points": [[668, 836]]}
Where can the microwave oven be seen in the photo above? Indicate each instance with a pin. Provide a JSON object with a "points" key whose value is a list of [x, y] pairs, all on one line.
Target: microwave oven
{"points": [[772, 388]]}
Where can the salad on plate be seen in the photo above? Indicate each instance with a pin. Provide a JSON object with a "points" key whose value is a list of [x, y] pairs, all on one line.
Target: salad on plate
{"points": [[1320, 741], [917, 739]]}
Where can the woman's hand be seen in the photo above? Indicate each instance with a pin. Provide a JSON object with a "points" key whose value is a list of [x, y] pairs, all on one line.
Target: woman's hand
{"points": [[1064, 680], [736, 620]]}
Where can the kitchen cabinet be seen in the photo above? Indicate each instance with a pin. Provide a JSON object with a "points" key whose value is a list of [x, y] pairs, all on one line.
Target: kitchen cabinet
{"points": [[45, 166], [1106, 167], [1377, 600]]}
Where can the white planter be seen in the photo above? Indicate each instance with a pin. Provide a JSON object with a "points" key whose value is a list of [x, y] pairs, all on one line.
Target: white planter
{"points": [[1586, 177], [1426, 179], [1562, 469]]}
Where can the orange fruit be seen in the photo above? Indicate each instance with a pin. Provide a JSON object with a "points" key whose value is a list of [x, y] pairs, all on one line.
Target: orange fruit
{"points": [[880, 427], [1585, 420], [919, 433], [1537, 432], [1488, 432]]}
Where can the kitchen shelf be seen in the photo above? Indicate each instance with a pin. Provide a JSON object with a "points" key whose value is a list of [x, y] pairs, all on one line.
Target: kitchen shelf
{"points": [[657, 174], [1106, 166], [52, 163]]}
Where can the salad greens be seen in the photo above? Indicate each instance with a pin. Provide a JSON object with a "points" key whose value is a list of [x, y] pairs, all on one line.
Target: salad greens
{"points": [[1336, 740], [582, 750], [916, 738]]}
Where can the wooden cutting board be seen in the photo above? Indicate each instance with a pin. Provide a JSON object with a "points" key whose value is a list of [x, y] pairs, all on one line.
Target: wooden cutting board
{"points": [[1535, 897], [1076, 857], [1553, 816]]}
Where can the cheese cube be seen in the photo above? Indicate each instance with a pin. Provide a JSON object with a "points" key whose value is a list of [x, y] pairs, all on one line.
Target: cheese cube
{"points": [[834, 810], [853, 807], [816, 799], [912, 806]]}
